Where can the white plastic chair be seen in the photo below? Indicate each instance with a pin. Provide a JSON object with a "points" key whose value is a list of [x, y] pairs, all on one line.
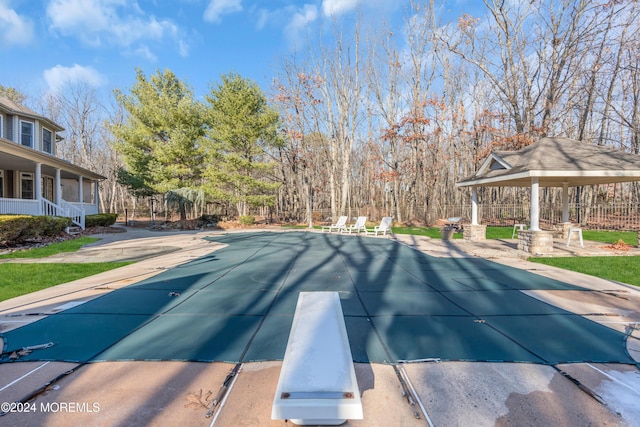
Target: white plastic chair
{"points": [[358, 226], [385, 225], [340, 225]]}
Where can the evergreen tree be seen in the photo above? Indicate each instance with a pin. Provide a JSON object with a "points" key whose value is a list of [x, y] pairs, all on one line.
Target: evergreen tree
{"points": [[161, 137], [243, 129]]}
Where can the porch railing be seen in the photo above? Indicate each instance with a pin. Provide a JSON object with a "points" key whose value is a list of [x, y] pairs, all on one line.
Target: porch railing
{"points": [[51, 209], [19, 206], [76, 214], [44, 207]]}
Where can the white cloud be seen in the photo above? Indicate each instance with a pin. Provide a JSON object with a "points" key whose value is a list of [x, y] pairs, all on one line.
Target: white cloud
{"points": [[338, 7], [217, 8], [14, 29], [183, 48], [59, 76], [145, 52], [99, 22], [265, 17], [299, 22]]}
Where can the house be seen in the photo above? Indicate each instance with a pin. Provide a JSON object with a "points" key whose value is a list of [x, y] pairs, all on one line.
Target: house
{"points": [[33, 181]]}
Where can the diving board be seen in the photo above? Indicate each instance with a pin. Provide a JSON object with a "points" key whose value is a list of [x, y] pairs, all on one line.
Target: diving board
{"points": [[317, 384]]}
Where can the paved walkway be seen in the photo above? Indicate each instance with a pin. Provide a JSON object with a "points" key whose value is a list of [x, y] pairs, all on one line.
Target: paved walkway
{"points": [[448, 393]]}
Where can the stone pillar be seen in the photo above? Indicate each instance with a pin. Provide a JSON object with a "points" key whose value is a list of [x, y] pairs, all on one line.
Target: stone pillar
{"points": [[535, 242], [563, 229], [475, 233]]}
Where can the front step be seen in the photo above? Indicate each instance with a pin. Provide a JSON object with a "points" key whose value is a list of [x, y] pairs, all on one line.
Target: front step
{"points": [[74, 230]]}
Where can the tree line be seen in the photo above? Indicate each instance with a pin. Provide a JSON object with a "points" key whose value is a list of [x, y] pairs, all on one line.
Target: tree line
{"points": [[400, 114], [379, 120]]}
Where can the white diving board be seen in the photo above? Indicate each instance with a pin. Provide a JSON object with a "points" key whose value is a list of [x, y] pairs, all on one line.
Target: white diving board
{"points": [[317, 384]]}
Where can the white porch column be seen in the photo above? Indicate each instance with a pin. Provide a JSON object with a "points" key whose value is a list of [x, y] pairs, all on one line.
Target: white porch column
{"points": [[96, 198], [474, 206], [565, 202], [80, 192], [535, 205], [37, 186], [58, 186]]}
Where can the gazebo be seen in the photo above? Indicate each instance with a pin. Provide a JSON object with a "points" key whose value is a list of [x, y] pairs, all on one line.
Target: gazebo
{"points": [[548, 162]]}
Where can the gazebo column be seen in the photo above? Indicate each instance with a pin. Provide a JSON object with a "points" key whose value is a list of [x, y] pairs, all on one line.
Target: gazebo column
{"points": [[535, 205], [474, 206], [565, 202], [474, 232], [534, 240]]}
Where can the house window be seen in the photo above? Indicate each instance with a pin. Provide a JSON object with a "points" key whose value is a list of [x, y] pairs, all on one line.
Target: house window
{"points": [[1, 129], [26, 134], [47, 138], [26, 186], [1, 183]]}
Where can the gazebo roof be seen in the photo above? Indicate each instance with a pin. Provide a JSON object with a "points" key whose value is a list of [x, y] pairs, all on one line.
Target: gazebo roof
{"points": [[555, 162]]}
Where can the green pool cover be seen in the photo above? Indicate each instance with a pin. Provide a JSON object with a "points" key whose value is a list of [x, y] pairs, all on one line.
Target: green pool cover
{"points": [[237, 304]]}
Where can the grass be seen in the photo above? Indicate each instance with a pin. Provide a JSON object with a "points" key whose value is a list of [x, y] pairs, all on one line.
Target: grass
{"points": [[434, 232], [629, 237], [622, 269], [21, 279], [52, 249]]}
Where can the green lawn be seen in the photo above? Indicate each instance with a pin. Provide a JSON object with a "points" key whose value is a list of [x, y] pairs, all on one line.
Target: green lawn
{"points": [[624, 269], [434, 232], [52, 249], [629, 237], [21, 279]]}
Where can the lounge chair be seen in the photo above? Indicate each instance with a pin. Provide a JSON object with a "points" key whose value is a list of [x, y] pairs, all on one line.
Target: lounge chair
{"points": [[385, 225], [340, 225], [358, 226]]}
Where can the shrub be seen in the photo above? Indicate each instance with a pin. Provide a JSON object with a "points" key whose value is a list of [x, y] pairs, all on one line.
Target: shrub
{"points": [[16, 229], [54, 225], [100, 220], [247, 220]]}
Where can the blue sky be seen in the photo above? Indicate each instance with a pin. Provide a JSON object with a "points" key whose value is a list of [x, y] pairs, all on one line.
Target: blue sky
{"points": [[45, 43]]}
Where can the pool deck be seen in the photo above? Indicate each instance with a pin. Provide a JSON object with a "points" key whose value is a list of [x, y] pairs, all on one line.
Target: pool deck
{"points": [[443, 393]]}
